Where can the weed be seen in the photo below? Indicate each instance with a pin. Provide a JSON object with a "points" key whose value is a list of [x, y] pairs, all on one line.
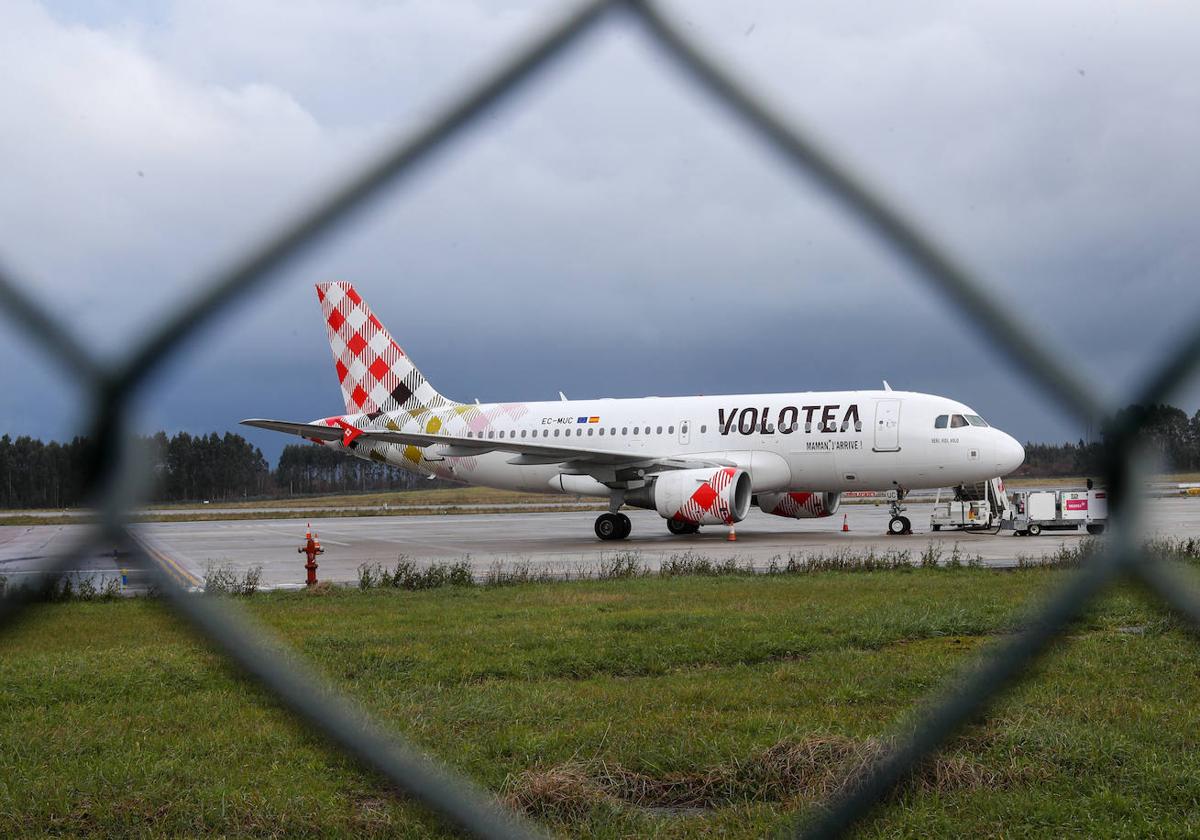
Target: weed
{"points": [[691, 563], [522, 572], [66, 587], [223, 579], [1066, 556], [931, 557], [955, 561], [847, 560], [620, 566], [406, 574]]}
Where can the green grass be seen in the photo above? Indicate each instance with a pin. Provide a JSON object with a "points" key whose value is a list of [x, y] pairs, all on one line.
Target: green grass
{"points": [[444, 500], [672, 707]]}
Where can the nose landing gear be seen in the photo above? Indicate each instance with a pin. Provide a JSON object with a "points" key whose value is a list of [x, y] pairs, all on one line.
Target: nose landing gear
{"points": [[899, 525]]}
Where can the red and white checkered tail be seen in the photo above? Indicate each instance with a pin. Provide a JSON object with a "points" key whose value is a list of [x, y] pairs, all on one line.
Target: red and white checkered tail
{"points": [[373, 371]]}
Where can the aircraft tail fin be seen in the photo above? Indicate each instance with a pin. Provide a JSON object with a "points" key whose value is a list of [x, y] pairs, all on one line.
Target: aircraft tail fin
{"points": [[374, 373]]}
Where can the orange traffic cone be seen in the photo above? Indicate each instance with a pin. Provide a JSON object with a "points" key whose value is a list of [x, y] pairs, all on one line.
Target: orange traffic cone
{"points": [[845, 525], [732, 533]]}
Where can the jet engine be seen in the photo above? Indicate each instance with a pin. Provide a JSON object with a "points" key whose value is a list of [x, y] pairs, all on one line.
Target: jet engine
{"points": [[799, 505], [716, 496]]}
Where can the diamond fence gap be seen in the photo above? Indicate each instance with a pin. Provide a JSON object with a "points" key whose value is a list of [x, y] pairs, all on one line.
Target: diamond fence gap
{"points": [[118, 482]]}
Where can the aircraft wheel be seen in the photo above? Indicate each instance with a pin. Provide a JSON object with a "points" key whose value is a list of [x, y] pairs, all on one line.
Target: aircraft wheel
{"points": [[678, 527], [608, 527], [626, 525], [898, 525], [937, 527], [1034, 529], [1095, 528]]}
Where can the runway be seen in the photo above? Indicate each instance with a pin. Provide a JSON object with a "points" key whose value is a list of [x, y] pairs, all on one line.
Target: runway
{"points": [[560, 542]]}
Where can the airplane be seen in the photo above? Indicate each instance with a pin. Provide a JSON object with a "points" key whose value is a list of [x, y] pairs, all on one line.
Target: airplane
{"points": [[701, 460]]}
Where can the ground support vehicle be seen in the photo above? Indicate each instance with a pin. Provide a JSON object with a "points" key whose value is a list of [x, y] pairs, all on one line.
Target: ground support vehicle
{"points": [[1039, 510], [972, 507]]}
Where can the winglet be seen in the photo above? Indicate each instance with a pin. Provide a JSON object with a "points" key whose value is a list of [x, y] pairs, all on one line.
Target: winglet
{"points": [[886, 386]]}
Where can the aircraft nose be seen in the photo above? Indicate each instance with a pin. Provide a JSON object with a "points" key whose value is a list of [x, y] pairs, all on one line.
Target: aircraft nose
{"points": [[1009, 453]]}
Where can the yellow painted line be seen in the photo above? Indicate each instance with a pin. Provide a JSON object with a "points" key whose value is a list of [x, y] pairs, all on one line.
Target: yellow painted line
{"points": [[170, 565]]}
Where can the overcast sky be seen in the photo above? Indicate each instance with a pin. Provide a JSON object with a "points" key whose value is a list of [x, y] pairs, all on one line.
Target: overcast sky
{"points": [[608, 232]]}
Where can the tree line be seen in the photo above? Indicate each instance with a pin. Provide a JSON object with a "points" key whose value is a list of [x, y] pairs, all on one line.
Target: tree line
{"points": [[1167, 431], [191, 468]]}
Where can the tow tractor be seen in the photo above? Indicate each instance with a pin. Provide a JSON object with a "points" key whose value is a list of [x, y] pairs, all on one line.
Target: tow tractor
{"points": [[972, 507]]}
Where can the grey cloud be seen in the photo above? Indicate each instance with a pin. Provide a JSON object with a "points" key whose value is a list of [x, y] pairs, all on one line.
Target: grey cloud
{"points": [[609, 232]]}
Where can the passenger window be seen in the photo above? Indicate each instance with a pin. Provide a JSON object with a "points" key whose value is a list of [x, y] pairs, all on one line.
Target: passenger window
{"points": [[703, 429], [670, 430], [941, 422], [658, 431], [957, 421], [578, 432], [556, 432], [522, 433], [491, 435], [590, 430], [624, 430], [601, 431]]}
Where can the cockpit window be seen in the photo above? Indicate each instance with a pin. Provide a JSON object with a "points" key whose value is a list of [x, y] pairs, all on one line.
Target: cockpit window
{"points": [[957, 421], [941, 422], [976, 420]]}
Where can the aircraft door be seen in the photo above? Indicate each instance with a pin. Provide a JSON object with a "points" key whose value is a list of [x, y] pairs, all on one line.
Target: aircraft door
{"points": [[887, 426], [685, 432]]}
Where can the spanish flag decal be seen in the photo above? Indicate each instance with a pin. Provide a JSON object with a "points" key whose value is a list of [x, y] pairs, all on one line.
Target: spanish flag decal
{"points": [[593, 419]]}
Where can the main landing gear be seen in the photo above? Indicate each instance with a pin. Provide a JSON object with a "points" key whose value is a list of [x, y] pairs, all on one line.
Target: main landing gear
{"points": [[898, 525], [679, 527], [613, 526]]}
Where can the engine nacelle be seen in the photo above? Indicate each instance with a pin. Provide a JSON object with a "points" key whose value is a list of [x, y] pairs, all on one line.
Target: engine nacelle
{"points": [[799, 505], [717, 496]]}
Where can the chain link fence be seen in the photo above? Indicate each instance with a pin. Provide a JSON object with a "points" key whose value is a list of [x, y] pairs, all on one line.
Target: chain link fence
{"points": [[118, 482]]}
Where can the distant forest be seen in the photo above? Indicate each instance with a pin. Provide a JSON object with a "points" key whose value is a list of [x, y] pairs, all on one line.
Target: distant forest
{"points": [[1166, 430], [224, 468], [217, 468]]}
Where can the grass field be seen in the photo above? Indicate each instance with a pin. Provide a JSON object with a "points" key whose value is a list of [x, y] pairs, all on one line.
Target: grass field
{"points": [[444, 500], [671, 707], [440, 496]]}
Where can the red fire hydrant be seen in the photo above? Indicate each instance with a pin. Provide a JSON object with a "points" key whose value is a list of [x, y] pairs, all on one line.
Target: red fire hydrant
{"points": [[311, 547]]}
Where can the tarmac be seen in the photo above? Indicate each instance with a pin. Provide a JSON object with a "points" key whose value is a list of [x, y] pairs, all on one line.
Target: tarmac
{"points": [[561, 543]]}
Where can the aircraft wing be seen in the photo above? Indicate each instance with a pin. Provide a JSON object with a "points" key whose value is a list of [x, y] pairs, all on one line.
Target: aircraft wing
{"points": [[576, 459]]}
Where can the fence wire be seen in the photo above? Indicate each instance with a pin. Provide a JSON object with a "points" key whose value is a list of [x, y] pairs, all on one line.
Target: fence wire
{"points": [[118, 481]]}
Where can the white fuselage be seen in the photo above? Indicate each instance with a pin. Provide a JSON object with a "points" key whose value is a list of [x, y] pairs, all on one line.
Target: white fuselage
{"points": [[817, 440]]}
